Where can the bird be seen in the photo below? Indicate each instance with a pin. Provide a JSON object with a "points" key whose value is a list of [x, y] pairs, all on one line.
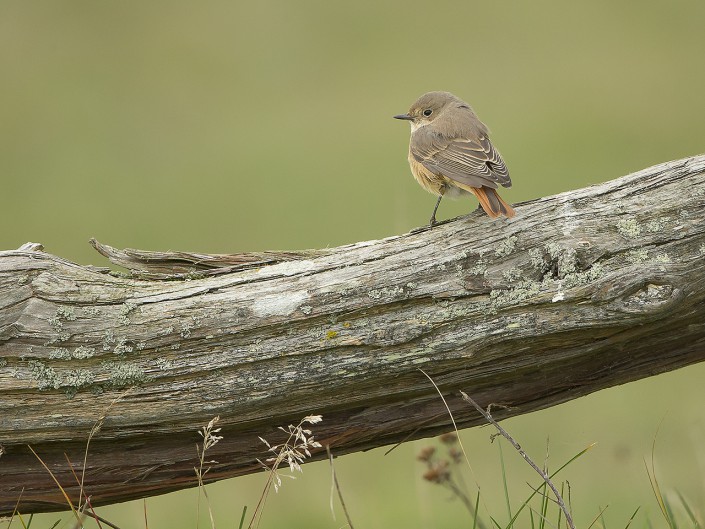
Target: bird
{"points": [[450, 153]]}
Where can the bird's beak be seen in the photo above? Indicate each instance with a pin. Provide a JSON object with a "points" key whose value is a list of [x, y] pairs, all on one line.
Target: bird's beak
{"points": [[404, 116]]}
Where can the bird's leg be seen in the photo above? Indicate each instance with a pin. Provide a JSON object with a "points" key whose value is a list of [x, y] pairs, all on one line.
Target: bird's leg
{"points": [[432, 222]]}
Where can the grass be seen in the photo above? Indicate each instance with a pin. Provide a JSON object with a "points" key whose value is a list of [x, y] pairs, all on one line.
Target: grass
{"points": [[547, 504]]}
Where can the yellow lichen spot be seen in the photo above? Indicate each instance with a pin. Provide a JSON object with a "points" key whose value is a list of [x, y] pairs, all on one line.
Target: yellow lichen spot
{"points": [[331, 334]]}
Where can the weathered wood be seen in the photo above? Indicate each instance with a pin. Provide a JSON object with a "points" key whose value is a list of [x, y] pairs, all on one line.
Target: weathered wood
{"points": [[581, 291]]}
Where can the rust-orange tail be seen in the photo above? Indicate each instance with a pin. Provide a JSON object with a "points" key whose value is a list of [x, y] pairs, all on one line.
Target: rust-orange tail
{"points": [[492, 203]]}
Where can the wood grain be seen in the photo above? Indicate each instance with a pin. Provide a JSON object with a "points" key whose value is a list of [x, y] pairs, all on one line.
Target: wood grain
{"points": [[581, 291]]}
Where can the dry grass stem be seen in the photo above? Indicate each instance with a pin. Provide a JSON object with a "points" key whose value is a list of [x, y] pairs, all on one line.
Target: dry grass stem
{"points": [[293, 451], [486, 414], [336, 485], [210, 436]]}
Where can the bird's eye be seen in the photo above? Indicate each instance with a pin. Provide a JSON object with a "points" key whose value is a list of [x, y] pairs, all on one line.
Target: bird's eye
{"points": [[427, 112]]}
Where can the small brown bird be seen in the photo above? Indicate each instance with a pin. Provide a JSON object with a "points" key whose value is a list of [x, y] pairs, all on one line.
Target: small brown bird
{"points": [[450, 153]]}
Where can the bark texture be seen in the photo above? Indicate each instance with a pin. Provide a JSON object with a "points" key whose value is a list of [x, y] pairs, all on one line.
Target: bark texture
{"points": [[579, 292]]}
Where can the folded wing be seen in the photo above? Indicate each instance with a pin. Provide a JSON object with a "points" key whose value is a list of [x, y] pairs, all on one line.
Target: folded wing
{"points": [[473, 162]]}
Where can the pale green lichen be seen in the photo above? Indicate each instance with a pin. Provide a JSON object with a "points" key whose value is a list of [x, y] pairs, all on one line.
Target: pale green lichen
{"points": [[83, 352], [583, 278], [164, 364], [125, 311], [506, 247], [49, 378], [75, 379], [186, 330], [637, 256], [91, 311], [554, 250], [108, 340], [511, 275], [122, 347], [480, 266], [629, 228], [57, 322], [66, 313], [389, 292], [479, 269], [567, 262], [536, 257], [662, 258], [656, 225], [60, 354], [124, 374], [521, 292]]}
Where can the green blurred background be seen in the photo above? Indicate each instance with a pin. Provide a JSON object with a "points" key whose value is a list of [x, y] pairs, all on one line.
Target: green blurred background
{"points": [[221, 126]]}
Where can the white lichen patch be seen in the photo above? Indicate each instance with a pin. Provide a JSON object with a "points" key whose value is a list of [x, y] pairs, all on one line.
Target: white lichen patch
{"points": [[558, 296], [283, 304], [629, 228], [662, 258]]}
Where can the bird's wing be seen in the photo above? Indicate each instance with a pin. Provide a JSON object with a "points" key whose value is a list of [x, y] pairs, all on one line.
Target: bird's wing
{"points": [[473, 162]]}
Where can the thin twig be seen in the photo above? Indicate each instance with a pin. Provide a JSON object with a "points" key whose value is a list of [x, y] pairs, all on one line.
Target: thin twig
{"points": [[337, 488], [517, 446]]}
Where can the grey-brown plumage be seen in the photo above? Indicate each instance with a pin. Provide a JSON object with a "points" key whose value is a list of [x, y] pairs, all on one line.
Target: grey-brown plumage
{"points": [[450, 153]]}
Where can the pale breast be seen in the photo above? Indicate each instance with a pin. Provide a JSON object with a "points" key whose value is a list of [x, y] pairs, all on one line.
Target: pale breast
{"points": [[433, 183]]}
